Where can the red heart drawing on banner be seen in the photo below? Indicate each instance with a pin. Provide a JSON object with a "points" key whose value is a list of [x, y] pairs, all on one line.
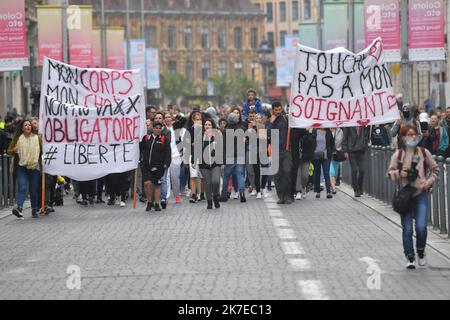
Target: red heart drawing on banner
{"points": [[363, 122], [316, 125], [376, 50], [339, 123]]}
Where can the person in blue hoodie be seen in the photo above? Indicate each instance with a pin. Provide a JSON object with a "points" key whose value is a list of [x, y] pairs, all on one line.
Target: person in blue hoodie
{"points": [[252, 103]]}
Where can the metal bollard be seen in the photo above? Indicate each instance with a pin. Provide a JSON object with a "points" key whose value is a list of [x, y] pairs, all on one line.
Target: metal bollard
{"points": [[5, 180], [379, 168], [383, 173], [391, 184], [447, 166], [435, 204], [442, 209], [10, 184], [1, 184]]}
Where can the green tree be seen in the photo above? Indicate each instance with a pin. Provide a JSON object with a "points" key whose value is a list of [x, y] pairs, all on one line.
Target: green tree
{"points": [[222, 87], [240, 84], [175, 87]]}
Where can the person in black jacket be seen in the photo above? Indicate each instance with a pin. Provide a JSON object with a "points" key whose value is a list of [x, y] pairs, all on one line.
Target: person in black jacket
{"points": [[209, 163], [322, 157], [305, 150], [157, 157]]}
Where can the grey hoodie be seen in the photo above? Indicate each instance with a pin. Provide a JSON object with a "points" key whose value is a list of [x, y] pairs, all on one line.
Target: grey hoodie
{"points": [[396, 127], [213, 114]]}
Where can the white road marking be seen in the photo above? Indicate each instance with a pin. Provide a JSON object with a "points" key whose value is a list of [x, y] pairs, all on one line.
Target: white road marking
{"points": [[291, 248], [272, 206], [286, 234], [300, 264], [275, 213], [277, 222], [312, 290]]}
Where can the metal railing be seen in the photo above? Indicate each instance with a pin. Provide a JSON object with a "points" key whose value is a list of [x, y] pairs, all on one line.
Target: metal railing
{"points": [[7, 185], [377, 185]]}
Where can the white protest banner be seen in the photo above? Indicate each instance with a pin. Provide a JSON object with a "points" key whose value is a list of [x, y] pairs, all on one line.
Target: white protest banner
{"points": [[89, 143], [90, 87], [338, 88]]}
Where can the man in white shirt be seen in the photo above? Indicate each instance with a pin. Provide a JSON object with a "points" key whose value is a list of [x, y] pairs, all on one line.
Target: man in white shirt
{"points": [[174, 169]]}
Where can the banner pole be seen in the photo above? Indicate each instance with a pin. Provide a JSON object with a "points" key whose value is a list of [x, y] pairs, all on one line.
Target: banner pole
{"points": [[135, 188]]}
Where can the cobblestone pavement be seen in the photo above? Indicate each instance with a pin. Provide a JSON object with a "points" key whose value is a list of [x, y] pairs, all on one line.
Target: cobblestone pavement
{"points": [[314, 249]]}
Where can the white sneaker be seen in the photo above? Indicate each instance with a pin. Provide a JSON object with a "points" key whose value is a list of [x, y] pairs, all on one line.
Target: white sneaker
{"points": [[299, 196], [259, 196], [253, 193], [423, 261], [122, 204], [235, 195], [188, 193], [410, 264], [264, 193]]}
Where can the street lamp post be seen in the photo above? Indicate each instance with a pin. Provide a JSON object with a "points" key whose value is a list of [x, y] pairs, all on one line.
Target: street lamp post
{"points": [[264, 50]]}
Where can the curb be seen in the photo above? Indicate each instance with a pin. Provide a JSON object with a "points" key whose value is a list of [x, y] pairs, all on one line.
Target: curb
{"points": [[440, 243]]}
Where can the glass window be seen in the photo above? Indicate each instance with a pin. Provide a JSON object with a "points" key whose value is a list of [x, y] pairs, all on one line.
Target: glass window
{"points": [[238, 38], [282, 38], [238, 68], [270, 39], [254, 38], [269, 12], [189, 71], [171, 38], [206, 70], [205, 38], [282, 11], [222, 68], [295, 11], [172, 67], [222, 38], [307, 10], [188, 38], [150, 37]]}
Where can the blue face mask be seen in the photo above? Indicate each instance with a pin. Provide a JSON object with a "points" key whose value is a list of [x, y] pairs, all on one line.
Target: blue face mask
{"points": [[412, 143]]}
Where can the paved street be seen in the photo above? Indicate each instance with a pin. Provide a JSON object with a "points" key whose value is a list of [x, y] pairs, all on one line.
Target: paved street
{"points": [[258, 250]]}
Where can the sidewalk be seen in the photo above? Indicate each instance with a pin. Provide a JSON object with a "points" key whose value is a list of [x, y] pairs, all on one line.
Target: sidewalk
{"points": [[438, 242]]}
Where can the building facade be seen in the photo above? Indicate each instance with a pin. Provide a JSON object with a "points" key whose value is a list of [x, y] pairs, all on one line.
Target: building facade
{"points": [[284, 17], [196, 38]]}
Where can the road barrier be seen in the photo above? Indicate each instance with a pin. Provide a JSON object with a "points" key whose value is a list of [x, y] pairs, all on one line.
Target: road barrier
{"points": [[7, 185], [377, 185]]}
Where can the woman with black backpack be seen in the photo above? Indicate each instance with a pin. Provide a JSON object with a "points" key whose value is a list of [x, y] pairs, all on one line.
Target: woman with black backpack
{"points": [[409, 167]]}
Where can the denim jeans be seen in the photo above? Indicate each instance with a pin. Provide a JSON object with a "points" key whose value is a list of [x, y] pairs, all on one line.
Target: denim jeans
{"points": [[28, 178], [237, 170], [165, 185], [318, 165], [420, 214], [358, 167]]}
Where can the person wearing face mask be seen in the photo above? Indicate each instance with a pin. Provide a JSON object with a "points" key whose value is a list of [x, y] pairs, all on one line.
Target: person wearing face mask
{"points": [[440, 144], [445, 123], [210, 163], [406, 118], [409, 166]]}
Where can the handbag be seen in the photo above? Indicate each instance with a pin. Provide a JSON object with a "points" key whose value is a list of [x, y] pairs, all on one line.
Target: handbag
{"points": [[339, 156], [319, 155], [403, 201]]}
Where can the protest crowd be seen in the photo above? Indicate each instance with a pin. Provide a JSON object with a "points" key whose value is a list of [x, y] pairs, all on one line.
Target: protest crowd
{"points": [[219, 154]]}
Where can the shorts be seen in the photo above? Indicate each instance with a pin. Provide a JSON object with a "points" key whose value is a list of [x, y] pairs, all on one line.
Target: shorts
{"points": [[194, 173], [154, 174]]}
